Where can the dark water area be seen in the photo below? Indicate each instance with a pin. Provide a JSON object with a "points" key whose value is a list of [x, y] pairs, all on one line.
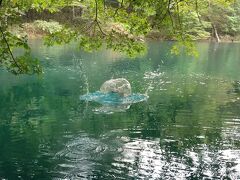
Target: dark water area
{"points": [[188, 128]]}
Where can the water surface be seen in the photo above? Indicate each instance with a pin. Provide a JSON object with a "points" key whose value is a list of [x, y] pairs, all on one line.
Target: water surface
{"points": [[189, 128]]}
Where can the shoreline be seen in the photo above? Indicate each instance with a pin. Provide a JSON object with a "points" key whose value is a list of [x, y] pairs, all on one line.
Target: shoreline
{"points": [[33, 31]]}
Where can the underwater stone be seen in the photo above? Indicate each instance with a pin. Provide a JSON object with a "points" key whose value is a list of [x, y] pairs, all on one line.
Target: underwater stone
{"points": [[120, 86]]}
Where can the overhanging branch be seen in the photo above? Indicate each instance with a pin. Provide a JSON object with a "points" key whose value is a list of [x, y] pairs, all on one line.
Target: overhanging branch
{"points": [[96, 21], [116, 11], [9, 50]]}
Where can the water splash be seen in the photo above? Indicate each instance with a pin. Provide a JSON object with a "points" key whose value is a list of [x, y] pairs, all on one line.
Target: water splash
{"points": [[113, 98], [78, 64], [113, 102], [153, 79]]}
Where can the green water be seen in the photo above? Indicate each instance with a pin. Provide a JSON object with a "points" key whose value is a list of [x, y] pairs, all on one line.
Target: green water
{"points": [[189, 128]]}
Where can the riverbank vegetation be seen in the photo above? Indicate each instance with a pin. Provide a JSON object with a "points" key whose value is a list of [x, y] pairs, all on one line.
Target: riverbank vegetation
{"points": [[120, 25]]}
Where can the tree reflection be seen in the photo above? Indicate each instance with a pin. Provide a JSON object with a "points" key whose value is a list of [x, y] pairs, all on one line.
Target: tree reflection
{"points": [[188, 128]]}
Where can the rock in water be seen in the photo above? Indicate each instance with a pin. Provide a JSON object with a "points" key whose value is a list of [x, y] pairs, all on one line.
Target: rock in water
{"points": [[120, 86]]}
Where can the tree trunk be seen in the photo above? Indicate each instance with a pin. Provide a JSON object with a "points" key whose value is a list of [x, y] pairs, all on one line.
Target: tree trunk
{"points": [[73, 11], [216, 33]]}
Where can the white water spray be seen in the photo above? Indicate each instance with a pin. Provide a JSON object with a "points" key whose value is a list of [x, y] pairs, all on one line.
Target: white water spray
{"points": [[78, 64], [153, 78]]}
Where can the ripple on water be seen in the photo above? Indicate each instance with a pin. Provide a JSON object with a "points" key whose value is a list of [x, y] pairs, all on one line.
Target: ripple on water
{"points": [[79, 157], [135, 158], [82, 148], [115, 156]]}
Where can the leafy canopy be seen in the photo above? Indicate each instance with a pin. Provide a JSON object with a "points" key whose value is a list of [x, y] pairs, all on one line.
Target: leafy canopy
{"points": [[120, 25]]}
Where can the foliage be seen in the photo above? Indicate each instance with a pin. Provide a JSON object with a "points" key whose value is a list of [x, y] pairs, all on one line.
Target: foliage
{"points": [[117, 24], [232, 26], [49, 27], [23, 64], [20, 64]]}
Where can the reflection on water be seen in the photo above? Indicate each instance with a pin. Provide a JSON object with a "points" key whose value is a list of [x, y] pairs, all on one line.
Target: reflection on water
{"points": [[189, 127], [128, 158]]}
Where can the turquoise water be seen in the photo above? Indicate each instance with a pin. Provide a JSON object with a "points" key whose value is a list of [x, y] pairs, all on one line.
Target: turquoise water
{"points": [[113, 102], [188, 128]]}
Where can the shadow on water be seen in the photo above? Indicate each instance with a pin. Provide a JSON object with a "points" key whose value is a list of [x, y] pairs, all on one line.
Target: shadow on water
{"points": [[189, 127]]}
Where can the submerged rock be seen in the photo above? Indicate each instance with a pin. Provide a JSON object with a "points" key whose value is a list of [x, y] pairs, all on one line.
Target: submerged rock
{"points": [[120, 86]]}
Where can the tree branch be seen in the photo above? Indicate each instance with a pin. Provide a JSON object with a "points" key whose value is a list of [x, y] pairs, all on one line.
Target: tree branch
{"points": [[169, 13], [96, 10], [9, 49], [196, 6], [104, 5], [96, 18], [98, 24], [180, 21], [116, 11], [178, 16], [164, 15]]}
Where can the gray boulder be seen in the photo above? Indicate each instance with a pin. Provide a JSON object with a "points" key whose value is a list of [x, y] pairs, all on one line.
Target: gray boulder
{"points": [[120, 85]]}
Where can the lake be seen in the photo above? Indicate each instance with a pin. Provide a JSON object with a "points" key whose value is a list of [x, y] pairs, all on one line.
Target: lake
{"points": [[188, 128]]}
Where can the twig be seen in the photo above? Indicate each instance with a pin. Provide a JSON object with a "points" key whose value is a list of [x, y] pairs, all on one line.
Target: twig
{"points": [[116, 11], [96, 10], [179, 21], [8, 46], [104, 5], [9, 49], [178, 16], [96, 18], [196, 6], [169, 13], [97, 22], [164, 16]]}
